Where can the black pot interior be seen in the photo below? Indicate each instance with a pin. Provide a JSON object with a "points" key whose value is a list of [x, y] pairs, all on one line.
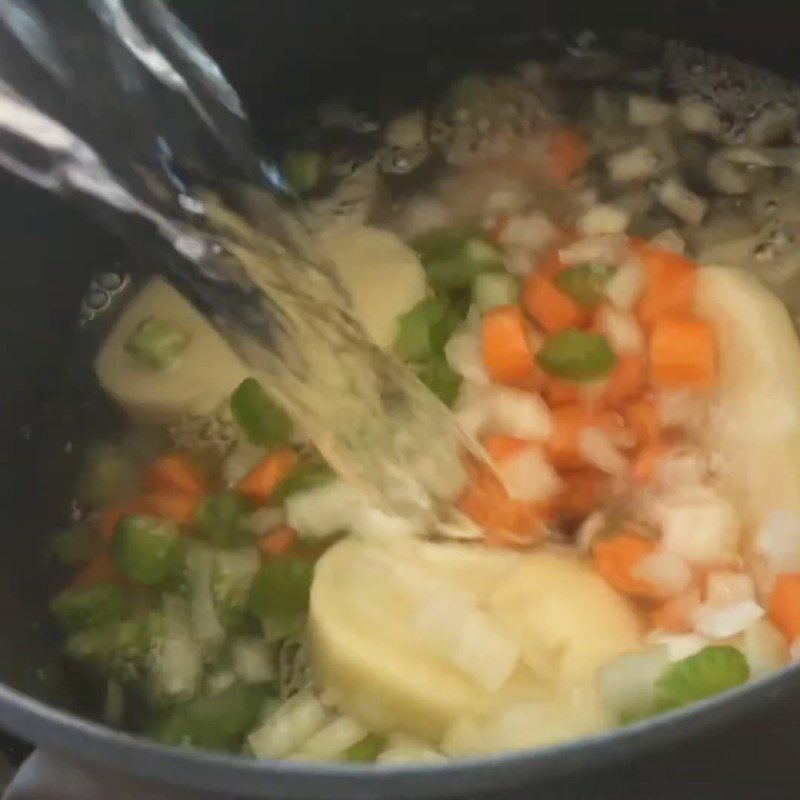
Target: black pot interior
{"points": [[283, 57]]}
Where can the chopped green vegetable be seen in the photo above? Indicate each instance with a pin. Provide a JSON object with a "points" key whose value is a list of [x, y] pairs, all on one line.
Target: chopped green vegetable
{"points": [[117, 649], [585, 283], [147, 548], [232, 574], [365, 751], [490, 289], [264, 422], [306, 475], [157, 343], [217, 722], [713, 670], [576, 355], [441, 379], [221, 518], [424, 330], [452, 259], [73, 546], [90, 605], [281, 588], [303, 168]]}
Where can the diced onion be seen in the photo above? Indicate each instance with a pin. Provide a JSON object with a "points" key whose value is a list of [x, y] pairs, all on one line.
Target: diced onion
{"points": [[636, 164], [764, 648], [263, 520], [605, 249], [679, 645], [402, 749], [252, 660], [645, 111], [721, 621], [682, 202], [293, 723], [464, 353], [602, 219], [323, 510], [334, 738], [699, 117], [682, 467], [627, 683], [423, 214], [669, 240], [726, 587], [622, 331], [529, 476], [406, 131], [516, 412], [532, 233], [597, 449], [667, 573], [778, 540], [626, 285]]}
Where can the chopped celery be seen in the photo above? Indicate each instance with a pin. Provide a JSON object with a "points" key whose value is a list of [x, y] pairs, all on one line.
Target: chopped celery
{"points": [[232, 574], [147, 548], [303, 168], [491, 289], [72, 546], [281, 588], [306, 475], [576, 355], [157, 343], [440, 378], [452, 259], [264, 422], [713, 670], [221, 517], [90, 605], [116, 649], [585, 283], [424, 330], [364, 751], [218, 722]]}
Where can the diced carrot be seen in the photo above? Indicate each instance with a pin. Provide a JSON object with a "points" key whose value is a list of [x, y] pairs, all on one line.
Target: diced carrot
{"points": [[682, 352], [669, 286], [174, 472], [500, 447], [100, 568], [567, 156], [784, 605], [675, 615], [549, 306], [643, 419], [626, 381], [278, 542], [616, 559], [645, 464], [568, 422], [507, 352], [560, 393], [581, 493], [504, 520], [177, 506], [260, 482]]}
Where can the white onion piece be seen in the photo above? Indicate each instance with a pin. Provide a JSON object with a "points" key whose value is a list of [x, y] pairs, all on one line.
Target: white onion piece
{"points": [[606, 249], [667, 573], [402, 749], [669, 240], [681, 408], [626, 285], [532, 233], [699, 526], [406, 131], [464, 352], [764, 648], [263, 520], [595, 446], [627, 682], [519, 262], [516, 412], [728, 177], [292, 724], [679, 645], [719, 622], [529, 476], [421, 215], [602, 219], [332, 740], [622, 331], [636, 164], [682, 202], [645, 111], [771, 124], [699, 117], [778, 540], [724, 588], [682, 467]]}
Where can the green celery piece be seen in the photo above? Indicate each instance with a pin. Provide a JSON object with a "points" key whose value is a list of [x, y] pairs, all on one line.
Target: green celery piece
{"points": [[221, 516], [232, 575], [114, 649], [264, 422], [492, 289], [303, 168], [281, 588], [157, 343], [304, 476], [364, 751], [441, 379], [452, 259], [424, 330], [147, 548], [712, 670], [73, 546], [88, 606], [585, 283], [576, 355], [216, 722]]}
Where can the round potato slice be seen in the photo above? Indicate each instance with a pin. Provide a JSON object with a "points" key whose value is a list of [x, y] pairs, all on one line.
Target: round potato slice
{"points": [[755, 420]]}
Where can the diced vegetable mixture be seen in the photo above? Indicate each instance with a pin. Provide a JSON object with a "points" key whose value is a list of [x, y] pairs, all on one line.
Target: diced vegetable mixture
{"points": [[562, 274]]}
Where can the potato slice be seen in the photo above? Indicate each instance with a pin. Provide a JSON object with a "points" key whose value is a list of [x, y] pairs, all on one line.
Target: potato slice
{"points": [[755, 420], [203, 375], [382, 275]]}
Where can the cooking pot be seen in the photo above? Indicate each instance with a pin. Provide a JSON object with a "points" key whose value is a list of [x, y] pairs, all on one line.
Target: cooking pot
{"points": [[282, 55]]}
